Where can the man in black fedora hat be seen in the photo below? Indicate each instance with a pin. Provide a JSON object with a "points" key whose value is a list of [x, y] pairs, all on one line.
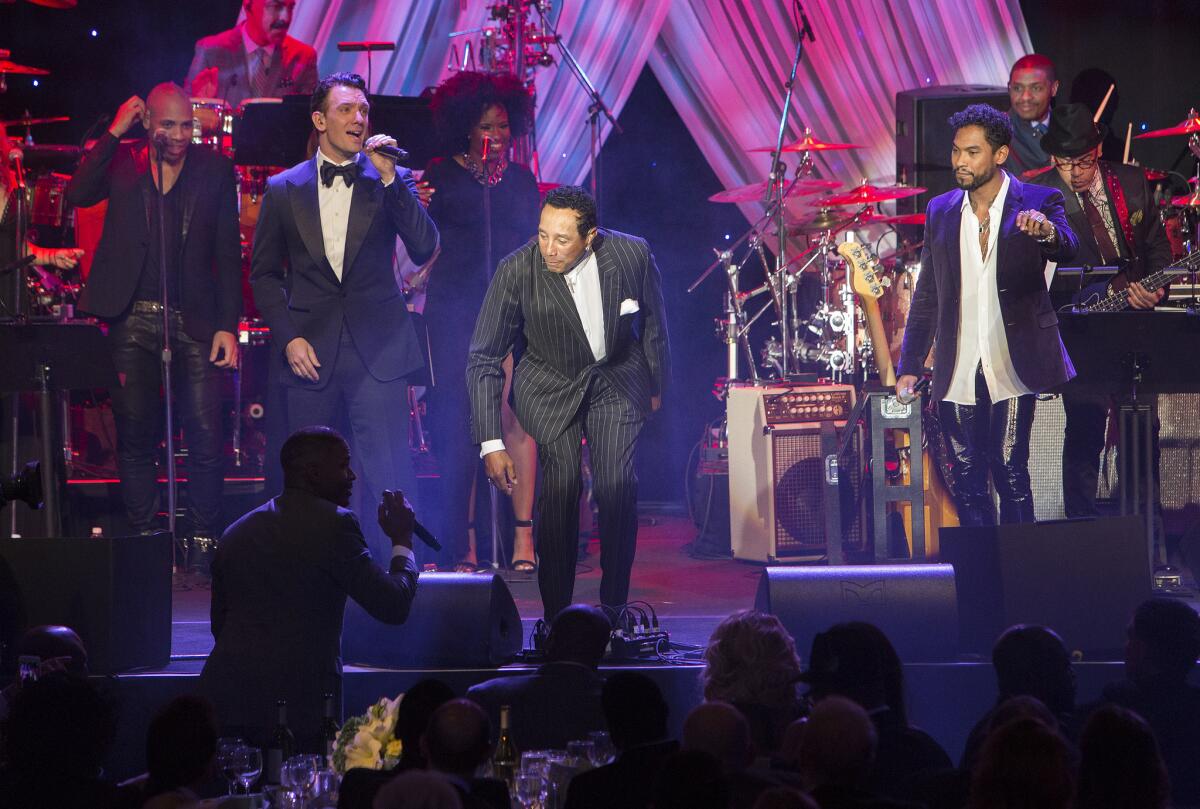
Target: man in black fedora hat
{"points": [[1110, 207]]}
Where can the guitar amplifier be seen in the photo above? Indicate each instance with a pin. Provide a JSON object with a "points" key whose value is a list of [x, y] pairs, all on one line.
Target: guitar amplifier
{"points": [[784, 499]]}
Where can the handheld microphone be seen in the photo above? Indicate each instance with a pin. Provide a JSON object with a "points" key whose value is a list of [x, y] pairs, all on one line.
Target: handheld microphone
{"points": [[487, 147], [422, 533], [394, 152]]}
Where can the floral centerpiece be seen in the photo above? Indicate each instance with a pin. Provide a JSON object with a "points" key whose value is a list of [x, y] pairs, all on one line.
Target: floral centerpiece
{"points": [[369, 740]]}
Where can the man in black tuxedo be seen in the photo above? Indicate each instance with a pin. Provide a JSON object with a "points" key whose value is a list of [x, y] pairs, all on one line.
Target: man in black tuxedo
{"points": [[203, 284], [281, 576], [1110, 207], [982, 294], [1032, 86], [322, 276], [575, 295]]}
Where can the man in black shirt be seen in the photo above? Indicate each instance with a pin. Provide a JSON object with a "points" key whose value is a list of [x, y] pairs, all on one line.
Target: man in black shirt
{"points": [[203, 288]]}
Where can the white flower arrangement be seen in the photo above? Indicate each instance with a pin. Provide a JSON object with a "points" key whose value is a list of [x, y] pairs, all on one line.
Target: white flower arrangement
{"points": [[369, 740]]}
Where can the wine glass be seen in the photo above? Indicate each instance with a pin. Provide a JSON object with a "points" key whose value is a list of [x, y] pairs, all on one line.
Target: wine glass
{"points": [[579, 753], [227, 752], [529, 789], [603, 752], [248, 766], [535, 761], [300, 772]]}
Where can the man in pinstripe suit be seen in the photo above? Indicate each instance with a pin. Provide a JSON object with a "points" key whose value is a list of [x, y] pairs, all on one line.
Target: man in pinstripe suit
{"points": [[589, 305]]}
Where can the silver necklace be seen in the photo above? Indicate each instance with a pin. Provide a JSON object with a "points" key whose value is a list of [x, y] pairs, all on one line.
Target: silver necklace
{"points": [[985, 224]]}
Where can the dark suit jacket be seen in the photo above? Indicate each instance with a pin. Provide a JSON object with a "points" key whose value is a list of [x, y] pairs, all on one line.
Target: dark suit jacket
{"points": [[280, 578], [628, 782], [1025, 151], [360, 786], [554, 705], [211, 283], [1030, 323], [550, 381], [1150, 245], [297, 292], [293, 70]]}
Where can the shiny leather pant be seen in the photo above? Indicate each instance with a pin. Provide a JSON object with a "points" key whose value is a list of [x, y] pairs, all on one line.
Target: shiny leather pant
{"points": [[986, 437], [136, 341]]}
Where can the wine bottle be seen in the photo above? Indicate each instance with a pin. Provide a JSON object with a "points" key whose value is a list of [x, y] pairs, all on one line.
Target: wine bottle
{"points": [[329, 728], [506, 757], [281, 747]]}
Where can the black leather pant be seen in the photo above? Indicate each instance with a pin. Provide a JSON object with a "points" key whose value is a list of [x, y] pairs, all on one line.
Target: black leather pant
{"points": [[138, 411], [987, 437]]}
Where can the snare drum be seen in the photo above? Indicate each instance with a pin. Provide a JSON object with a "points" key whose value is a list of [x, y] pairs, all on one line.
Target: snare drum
{"points": [[252, 183], [1180, 226], [212, 124]]}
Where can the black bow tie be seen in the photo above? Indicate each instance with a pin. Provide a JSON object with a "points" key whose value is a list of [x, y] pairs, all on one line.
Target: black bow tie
{"points": [[349, 172]]}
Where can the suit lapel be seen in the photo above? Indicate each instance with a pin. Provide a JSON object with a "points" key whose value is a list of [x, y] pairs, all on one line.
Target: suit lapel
{"points": [[950, 238], [364, 203], [1008, 220], [307, 213], [610, 291]]}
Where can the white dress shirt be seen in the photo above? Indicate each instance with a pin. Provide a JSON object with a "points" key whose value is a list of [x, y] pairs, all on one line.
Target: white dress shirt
{"points": [[584, 285], [981, 336], [334, 203]]}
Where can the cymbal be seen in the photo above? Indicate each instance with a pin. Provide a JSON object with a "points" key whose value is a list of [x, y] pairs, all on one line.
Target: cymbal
{"points": [[57, 119], [1154, 175], [867, 194], [1187, 200], [754, 192], [1188, 126], [808, 144], [1029, 174], [825, 219], [55, 3], [9, 66], [544, 187], [873, 217]]}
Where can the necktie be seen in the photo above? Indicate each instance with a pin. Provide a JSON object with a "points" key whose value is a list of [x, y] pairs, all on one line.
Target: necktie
{"points": [[1039, 129], [1104, 243], [348, 172], [260, 78]]}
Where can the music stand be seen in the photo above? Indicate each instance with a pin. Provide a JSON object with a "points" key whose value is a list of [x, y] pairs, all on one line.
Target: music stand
{"points": [[1068, 282], [1133, 355], [46, 357]]}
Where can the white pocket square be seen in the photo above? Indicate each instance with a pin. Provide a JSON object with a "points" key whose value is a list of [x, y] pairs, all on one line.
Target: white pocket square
{"points": [[629, 306]]}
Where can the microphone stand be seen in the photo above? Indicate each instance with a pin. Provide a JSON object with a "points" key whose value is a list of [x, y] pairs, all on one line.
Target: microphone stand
{"points": [[776, 194], [493, 495], [20, 200], [168, 405], [596, 108]]}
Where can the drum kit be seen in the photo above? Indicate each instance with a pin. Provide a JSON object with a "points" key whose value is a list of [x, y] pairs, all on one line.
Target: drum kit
{"points": [[830, 335]]}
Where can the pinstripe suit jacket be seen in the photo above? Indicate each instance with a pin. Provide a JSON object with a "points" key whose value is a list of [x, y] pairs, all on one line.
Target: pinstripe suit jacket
{"points": [[550, 381]]}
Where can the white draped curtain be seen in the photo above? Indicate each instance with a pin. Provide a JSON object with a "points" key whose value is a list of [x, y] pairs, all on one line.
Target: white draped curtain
{"points": [[721, 62]]}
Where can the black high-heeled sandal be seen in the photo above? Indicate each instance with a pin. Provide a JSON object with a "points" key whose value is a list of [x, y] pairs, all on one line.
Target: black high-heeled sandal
{"points": [[524, 565]]}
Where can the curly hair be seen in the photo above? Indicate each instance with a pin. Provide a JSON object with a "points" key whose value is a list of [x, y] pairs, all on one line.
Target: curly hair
{"points": [[461, 100], [997, 128], [751, 658]]}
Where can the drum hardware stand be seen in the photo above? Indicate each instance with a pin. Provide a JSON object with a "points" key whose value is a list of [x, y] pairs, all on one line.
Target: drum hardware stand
{"points": [[734, 327]]}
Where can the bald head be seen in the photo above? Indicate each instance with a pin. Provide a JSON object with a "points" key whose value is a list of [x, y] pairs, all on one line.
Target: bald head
{"points": [[54, 642], [168, 120], [456, 740], [719, 729], [838, 744]]}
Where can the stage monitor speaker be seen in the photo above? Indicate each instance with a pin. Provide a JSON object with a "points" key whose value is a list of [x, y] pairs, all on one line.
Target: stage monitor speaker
{"points": [[923, 138], [914, 605], [1081, 578], [115, 592], [780, 477], [456, 620]]}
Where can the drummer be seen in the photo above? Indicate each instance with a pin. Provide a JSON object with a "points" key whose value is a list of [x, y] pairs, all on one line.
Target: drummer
{"points": [[65, 258], [254, 59]]}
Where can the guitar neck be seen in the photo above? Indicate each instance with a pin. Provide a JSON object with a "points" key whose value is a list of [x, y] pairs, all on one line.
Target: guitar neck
{"points": [[1153, 282], [879, 341]]}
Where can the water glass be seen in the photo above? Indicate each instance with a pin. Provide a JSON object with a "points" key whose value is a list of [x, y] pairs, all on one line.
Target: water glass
{"points": [[536, 762], [529, 788], [579, 754], [228, 748], [248, 766], [603, 751]]}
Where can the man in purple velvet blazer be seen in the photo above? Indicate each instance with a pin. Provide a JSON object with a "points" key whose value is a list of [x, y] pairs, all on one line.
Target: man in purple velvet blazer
{"points": [[982, 304]]}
